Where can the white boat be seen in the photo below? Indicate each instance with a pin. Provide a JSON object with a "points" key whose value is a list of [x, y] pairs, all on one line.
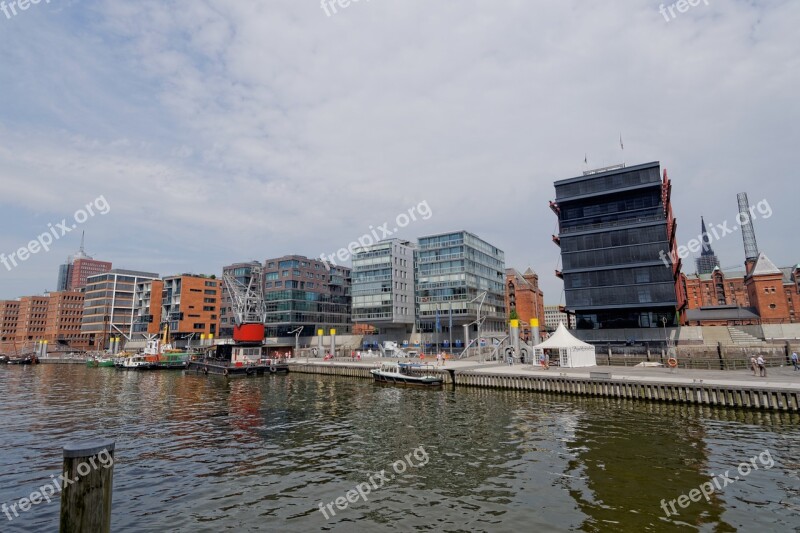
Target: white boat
{"points": [[135, 362], [406, 374]]}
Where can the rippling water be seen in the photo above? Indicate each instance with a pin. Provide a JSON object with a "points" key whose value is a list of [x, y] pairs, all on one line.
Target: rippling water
{"points": [[207, 454]]}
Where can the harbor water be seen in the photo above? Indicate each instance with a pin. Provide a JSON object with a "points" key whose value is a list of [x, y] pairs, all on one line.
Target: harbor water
{"points": [[306, 453]]}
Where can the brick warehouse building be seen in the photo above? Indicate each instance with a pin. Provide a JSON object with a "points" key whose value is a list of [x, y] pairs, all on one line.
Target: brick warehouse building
{"points": [[524, 296], [766, 295], [54, 317]]}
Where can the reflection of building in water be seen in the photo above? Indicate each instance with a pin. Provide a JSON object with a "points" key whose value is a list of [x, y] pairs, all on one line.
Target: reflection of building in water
{"points": [[628, 468]]}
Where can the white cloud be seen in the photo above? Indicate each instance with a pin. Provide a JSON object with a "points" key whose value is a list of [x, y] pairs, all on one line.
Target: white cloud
{"points": [[223, 130]]}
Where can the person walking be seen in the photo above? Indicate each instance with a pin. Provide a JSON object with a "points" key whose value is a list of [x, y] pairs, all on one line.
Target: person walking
{"points": [[762, 368], [794, 361], [438, 359], [543, 361], [753, 364]]}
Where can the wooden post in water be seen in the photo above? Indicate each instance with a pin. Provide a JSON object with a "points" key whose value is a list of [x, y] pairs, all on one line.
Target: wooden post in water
{"points": [[86, 502]]}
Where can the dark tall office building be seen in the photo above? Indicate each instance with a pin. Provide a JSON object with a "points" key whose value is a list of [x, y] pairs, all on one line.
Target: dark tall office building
{"points": [[707, 261], [617, 238]]}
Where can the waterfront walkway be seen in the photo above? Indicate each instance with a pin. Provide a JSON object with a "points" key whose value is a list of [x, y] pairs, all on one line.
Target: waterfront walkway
{"points": [[780, 390], [777, 377]]}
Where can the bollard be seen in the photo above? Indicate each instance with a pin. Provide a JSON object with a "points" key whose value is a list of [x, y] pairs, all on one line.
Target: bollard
{"points": [[86, 502]]}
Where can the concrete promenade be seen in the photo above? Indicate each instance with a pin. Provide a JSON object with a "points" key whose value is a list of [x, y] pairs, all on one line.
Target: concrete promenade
{"points": [[780, 390]]}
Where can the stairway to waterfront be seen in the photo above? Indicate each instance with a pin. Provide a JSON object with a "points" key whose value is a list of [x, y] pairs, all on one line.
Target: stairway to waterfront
{"points": [[713, 335], [740, 337]]}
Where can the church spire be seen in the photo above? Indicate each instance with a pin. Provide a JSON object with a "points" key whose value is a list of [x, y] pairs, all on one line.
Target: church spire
{"points": [[708, 260], [706, 240]]}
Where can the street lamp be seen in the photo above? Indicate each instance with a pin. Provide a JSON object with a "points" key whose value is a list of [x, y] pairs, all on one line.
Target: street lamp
{"points": [[296, 333], [482, 296]]}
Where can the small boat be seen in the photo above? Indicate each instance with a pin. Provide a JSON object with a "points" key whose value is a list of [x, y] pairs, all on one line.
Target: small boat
{"points": [[97, 361], [3, 359], [135, 362], [23, 360], [406, 374]]}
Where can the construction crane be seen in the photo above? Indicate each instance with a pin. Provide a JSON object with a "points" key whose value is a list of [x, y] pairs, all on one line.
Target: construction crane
{"points": [[248, 305]]}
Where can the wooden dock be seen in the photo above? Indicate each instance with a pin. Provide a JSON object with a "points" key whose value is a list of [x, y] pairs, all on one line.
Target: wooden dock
{"points": [[740, 389]]}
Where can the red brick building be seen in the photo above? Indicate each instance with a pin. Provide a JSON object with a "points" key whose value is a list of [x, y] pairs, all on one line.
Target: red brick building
{"points": [[188, 303], [72, 275], [63, 321], [54, 317], [525, 297], [82, 268], [765, 295]]}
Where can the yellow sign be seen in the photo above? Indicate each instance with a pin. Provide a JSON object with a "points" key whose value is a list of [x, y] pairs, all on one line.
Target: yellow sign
{"points": [[534, 322], [514, 323], [320, 332], [333, 332]]}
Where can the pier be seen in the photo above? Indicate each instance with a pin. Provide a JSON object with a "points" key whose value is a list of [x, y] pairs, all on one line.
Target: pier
{"points": [[779, 391]]}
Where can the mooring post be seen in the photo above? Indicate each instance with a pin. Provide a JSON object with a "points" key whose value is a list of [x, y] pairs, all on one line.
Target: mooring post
{"points": [[86, 502]]}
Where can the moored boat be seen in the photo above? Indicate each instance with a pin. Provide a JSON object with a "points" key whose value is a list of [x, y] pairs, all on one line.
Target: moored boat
{"points": [[234, 360], [29, 359], [97, 361], [412, 374]]}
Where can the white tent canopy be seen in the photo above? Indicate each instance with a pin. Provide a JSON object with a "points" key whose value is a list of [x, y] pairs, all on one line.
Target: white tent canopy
{"points": [[572, 352]]}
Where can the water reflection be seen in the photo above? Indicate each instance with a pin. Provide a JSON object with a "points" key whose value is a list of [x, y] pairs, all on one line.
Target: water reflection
{"points": [[199, 454]]}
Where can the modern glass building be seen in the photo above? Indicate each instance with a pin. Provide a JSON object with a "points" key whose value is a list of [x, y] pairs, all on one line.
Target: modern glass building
{"points": [[452, 270], [617, 238], [303, 292], [383, 286]]}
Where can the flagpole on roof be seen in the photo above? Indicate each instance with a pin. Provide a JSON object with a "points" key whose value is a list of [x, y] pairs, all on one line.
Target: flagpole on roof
{"points": [[622, 149]]}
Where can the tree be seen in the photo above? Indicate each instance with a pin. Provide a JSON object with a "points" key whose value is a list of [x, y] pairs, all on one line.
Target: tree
{"points": [[513, 315]]}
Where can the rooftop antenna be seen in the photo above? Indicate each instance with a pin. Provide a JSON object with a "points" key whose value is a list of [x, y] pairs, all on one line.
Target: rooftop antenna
{"points": [[622, 148]]}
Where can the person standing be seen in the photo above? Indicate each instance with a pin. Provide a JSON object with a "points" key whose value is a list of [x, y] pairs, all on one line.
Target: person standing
{"points": [[794, 361], [438, 359], [762, 368], [753, 364]]}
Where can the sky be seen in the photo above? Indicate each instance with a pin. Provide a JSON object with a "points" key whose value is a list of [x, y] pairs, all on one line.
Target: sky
{"points": [[203, 133]]}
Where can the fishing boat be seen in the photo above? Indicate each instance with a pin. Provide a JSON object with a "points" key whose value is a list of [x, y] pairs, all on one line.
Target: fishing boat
{"points": [[163, 356], [411, 374]]}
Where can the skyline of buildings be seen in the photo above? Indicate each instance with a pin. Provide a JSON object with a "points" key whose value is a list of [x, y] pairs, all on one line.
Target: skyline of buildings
{"points": [[614, 223]]}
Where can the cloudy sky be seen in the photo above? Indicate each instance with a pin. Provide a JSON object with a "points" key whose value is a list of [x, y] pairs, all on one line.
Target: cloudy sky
{"points": [[220, 131]]}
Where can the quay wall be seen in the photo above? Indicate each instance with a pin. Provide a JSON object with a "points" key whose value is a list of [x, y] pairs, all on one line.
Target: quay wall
{"points": [[598, 384]]}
